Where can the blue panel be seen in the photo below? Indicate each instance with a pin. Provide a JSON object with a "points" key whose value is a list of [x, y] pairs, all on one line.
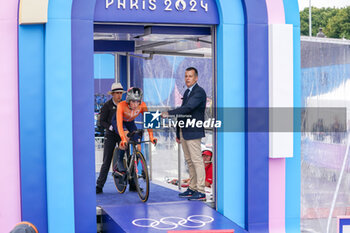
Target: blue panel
{"points": [[32, 125], [152, 11], [104, 66], [343, 222], [114, 46], [257, 95], [58, 108], [97, 66], [176, 212], [83, 117], [230, 90], [230, 12], [107, 66], [59, 9], [291, 12], [293, 165]]}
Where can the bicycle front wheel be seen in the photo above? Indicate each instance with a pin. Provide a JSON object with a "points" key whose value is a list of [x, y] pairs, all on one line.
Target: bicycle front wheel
{"points": [[141, 177], [119, 181]]}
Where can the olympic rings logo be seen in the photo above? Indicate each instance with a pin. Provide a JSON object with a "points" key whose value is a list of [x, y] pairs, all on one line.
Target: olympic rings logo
{"points": [[170, 223]]}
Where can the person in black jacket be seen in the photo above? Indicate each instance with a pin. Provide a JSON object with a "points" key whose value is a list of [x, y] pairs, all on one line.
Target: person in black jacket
{"points": [[111, 137], [192, 110]]}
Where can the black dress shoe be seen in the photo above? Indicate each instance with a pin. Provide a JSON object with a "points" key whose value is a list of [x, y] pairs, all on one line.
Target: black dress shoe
{"points": [[98, 190]]}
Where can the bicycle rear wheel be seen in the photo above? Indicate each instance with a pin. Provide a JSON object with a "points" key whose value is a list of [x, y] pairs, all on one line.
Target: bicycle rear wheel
{"points": [[141, 177], [119, 181]]}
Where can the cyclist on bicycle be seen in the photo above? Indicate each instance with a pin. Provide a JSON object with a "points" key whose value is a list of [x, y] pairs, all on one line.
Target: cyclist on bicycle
{"points": [[127, 111]]}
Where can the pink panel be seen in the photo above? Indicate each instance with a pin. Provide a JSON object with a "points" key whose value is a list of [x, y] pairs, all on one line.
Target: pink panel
{"points": [[8, 9], [275, 11], [277, 187], [10, 211]]}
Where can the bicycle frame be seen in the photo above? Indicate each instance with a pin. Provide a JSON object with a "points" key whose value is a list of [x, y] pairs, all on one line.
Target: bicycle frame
{"points": [[130, 160], [136, 168]]}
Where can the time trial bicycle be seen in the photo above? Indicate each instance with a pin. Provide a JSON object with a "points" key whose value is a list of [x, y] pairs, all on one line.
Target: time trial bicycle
{"points": [[136, 168]]}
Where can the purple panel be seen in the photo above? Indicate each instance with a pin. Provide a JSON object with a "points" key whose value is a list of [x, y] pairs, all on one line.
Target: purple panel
{"points": [[83, 116], [257, 96], [152, 11], [257, 166], [255, 12]]}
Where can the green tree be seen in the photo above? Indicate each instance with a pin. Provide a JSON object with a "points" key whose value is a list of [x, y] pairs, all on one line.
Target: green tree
{"points": [[320, 18], [304, 22], [339, 25]]}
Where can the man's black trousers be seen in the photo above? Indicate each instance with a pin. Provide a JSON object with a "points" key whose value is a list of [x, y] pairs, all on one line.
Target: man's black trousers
{"points": [[110, 141]]}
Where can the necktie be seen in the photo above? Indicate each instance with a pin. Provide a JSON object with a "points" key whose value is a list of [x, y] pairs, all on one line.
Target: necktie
{"points": [[186, 93]]}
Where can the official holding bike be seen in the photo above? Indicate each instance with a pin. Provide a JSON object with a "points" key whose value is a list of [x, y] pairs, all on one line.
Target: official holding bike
{"points": [[111, 137]]}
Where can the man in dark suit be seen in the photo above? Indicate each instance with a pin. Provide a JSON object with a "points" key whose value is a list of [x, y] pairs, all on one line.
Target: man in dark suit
{"points": [[192, 111], [111, 138]]}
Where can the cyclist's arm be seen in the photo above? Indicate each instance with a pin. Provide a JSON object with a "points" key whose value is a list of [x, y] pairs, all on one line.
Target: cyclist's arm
{"points": [[124, 147], [145, 109], [150, 133], [120, 110]]}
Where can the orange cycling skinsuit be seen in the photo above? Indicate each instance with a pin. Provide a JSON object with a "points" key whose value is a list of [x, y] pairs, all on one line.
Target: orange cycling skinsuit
{"points": [[127, 111], [125, 116]]}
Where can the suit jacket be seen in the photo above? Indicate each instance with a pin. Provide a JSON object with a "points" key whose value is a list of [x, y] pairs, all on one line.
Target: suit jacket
{"points": [[193, 106], [106, 114]]}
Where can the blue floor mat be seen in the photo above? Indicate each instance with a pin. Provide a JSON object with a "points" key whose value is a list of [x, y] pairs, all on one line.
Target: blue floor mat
{"points": [[110, 195], [164, 206]]}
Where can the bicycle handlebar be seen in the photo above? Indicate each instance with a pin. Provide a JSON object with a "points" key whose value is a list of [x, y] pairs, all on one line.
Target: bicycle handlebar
{"points": [[139, 131], [135, 143]]}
